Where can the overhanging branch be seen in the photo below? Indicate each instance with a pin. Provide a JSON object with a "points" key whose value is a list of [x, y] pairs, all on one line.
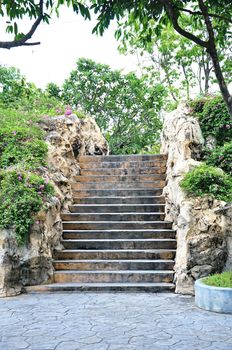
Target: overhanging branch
{"points": [[197, 13], [23, 41], [173, 15]]}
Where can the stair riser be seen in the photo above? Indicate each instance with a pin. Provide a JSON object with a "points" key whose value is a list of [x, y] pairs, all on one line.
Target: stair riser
{"points": [[124, 158], [117, 193], [115, 265], [116, 225], [123, 171], [60, 277], [114, 179], [119, 245], [119, 235], [120, 255], [119, 200], [117, 209], [105, 288], [124, 165], [113, 217], [117, 185]]}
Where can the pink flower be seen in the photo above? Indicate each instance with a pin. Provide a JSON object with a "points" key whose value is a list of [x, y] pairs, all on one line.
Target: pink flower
{"points": [[37, 222], [14, 132], [68, 111], [41, 187]]}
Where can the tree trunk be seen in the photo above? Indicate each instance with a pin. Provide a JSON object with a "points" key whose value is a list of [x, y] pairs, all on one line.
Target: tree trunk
{"points": [[209, 45], [212, 50]]}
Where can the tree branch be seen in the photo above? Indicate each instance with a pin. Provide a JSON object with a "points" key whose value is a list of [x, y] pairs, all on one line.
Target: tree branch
{"points": [[201, 14], [23, 41], [173, 15]]}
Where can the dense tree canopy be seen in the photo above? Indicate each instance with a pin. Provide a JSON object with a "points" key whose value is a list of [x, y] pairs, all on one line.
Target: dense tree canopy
{"points": [[210, 22], [125, 107]]}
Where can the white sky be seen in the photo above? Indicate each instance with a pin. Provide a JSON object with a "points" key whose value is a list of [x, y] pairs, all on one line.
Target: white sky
{"points": [[62, 42]]}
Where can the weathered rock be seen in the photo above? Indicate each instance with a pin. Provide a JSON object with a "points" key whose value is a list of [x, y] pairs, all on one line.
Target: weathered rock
{"points": [[67, 138], [204, 238]]}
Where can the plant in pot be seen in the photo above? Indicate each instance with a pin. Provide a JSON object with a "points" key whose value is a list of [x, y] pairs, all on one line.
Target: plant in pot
{"points": [[214, 293]]}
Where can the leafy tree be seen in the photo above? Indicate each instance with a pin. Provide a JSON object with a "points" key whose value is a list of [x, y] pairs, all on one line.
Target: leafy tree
{"points": [[211, 24], [53, 90], [124, 106]]}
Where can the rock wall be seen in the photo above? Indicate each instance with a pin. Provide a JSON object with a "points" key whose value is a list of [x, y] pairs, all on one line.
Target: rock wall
{"points": [[203, 225], [67, 138]]}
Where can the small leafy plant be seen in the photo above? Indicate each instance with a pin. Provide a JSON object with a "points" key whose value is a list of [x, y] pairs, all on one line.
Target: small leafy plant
{"points": [[221, 157], [214, 118], [207, 180], [223, 280], [22, 195]]}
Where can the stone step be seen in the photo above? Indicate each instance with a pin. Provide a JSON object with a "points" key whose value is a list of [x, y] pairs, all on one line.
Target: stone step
{"points": [[116, 208], [118, 234], [132, 192], [113, 265], [127, 244], [122, 158], [120, 200], [125, 165], [122, 225], [101, 287], [122, 171], [113, 216], [117, 185], [136, 254], [122, 178], [105, 276]]}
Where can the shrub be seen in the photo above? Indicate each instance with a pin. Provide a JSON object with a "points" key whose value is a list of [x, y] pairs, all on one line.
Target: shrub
{"points": [[214, 118], [207, 180], [223, 280], [21, 196], [221, 157]]}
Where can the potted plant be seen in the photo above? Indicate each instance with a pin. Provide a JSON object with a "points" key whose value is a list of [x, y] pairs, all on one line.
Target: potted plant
{"points": [[214, 293]]}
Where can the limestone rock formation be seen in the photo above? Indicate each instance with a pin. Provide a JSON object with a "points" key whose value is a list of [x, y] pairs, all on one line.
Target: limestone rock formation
{"points": [[67, 138], [202, 226]]}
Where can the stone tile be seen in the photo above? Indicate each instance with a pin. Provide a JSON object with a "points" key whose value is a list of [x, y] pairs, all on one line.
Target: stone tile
{"points": [[110, 321]]}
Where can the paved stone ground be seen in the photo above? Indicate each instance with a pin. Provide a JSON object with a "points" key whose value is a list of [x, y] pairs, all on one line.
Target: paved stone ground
{"points": [[91, 321]]}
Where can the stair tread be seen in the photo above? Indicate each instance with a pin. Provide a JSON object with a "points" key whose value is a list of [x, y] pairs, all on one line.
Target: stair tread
{"points": [[117, 250], [121, 240], [118, 205], [111, 260], [123, 230], [97, 272], [99, 284]]}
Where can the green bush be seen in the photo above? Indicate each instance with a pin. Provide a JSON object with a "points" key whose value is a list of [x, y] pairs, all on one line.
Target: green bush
{"points": [[223, 280], [221, 157], [207, 180], [21, 196], [214, 118]]}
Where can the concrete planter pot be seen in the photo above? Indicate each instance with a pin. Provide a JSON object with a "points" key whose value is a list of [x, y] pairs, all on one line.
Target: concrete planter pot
{"points": [[211, 298]]}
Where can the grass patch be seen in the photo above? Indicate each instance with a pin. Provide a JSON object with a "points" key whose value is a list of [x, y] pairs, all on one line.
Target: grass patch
{"points": [[223, 280]]}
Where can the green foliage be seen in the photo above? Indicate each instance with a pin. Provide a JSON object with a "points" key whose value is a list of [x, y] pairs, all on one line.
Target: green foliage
{"points": [[21, 197], [125, 107], [17, 94], [207, 180], [214, 118], [53, 90], [221, 157], [223, 280]]}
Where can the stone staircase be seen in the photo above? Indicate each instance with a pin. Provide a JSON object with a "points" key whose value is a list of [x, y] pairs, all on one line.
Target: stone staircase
{"points": [[115, 237]]}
